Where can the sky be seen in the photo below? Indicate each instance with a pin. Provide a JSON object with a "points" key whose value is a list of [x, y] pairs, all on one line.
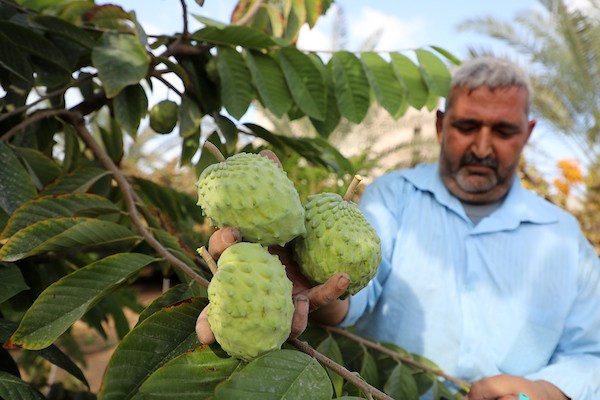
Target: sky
{"points": [[403, 25]]}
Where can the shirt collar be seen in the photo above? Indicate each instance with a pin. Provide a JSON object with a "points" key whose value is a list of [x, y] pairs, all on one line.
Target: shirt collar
{"points": [[519, 206]]}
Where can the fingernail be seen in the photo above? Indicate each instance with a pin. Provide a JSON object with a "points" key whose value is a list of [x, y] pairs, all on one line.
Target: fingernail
{"points": [[300, 299], [343, 283], [231, 236]]}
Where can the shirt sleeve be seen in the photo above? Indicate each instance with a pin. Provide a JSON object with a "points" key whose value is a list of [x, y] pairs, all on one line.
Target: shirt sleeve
{"points": [[575, 365], [380, 206]]}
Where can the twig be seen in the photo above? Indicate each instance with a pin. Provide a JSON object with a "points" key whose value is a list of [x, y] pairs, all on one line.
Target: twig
{"points": [[208, 259], [340, 370], [352, 188], [47, 96], [165, 82], [31, 119], [186, 32], [128, 195], [214, 150], [251, 12], [396, 356]]}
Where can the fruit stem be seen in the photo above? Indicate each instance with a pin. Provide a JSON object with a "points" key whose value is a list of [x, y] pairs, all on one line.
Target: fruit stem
{"points": [[214, 151], [352, 188], [209, 260]]}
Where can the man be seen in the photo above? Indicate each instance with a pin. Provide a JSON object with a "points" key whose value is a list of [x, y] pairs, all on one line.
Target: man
{"points": [[488, 280]]}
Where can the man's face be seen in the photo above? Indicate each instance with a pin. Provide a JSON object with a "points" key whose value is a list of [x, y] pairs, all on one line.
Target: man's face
{"points": [[482, 135]]}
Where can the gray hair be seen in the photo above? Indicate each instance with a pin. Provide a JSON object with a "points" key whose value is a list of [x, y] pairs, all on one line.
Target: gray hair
{"points": [[491, 72]]}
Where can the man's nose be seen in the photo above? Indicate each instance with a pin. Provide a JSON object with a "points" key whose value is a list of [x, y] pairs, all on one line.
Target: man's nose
{"points": [[482, 144]]}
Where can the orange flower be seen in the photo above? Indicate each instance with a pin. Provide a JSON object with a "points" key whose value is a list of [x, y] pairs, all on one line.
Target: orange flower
{"points": [[571, 171]]}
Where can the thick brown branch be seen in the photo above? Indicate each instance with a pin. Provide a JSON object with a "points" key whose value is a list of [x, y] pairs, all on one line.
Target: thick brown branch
{"points": [[340, 370], [128, 195], [396, 356]]}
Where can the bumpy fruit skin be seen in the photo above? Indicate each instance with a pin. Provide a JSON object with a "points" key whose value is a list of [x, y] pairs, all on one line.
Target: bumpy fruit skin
{"points": [[251, 193], [250, 299], [338, 239]]}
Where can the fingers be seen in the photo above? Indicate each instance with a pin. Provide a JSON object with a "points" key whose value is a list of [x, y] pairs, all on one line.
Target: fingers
{"points": [[300, 318], [203, 331], [331, 290], [269, 154], [222, 239]]}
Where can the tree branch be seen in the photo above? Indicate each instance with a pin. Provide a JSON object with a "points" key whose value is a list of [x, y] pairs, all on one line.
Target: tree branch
{"points": [[78, 123], [396, 356], [340, 370], [186, 32]]}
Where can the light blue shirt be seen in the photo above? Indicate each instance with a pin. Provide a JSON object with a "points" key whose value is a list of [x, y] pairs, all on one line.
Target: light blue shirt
{"points": [[518, 293]]}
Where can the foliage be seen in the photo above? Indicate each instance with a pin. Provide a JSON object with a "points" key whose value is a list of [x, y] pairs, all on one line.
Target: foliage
{"points": [[79, 226]]}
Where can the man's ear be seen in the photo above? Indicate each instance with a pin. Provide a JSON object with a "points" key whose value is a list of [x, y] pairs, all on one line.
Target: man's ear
{"points": [[439, 124]]}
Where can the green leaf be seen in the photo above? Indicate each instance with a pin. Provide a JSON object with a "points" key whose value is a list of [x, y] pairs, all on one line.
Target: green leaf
{"points": [[390, 93], [30, 42], [158, 339], [16, 187], [79, 180], [332, 116], [305, 82], [314, 9], [189, 147], [330, 349], [190, 117], [60, 27], [295, 20], [410, 73], [130, 106], [56, 234], [174, 295], [351, 86], [14, 388], [270, 82], [40, 167], [236, 88], [368, 369], [121, 61], [11, 281], [12, 59], [192, 375], [112, 138], [451, 57], [55, 206], [279, 374], [401, 384], [435, 73], [67, 300], [234, 35], [51, 353], [229, 132]]}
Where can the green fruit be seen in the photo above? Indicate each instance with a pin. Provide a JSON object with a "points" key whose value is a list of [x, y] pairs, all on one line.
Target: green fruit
{"points": [[338, 239], [163, 116], [251, 304], [251, 193]]}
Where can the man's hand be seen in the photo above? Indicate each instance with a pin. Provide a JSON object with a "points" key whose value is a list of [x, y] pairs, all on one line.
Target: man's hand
{"points": [[306, 297], [508, 387]]}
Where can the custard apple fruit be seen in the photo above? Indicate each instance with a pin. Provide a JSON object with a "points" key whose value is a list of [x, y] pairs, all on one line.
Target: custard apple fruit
{"points": [[250, 299], [338, 239], [253, 194]]}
